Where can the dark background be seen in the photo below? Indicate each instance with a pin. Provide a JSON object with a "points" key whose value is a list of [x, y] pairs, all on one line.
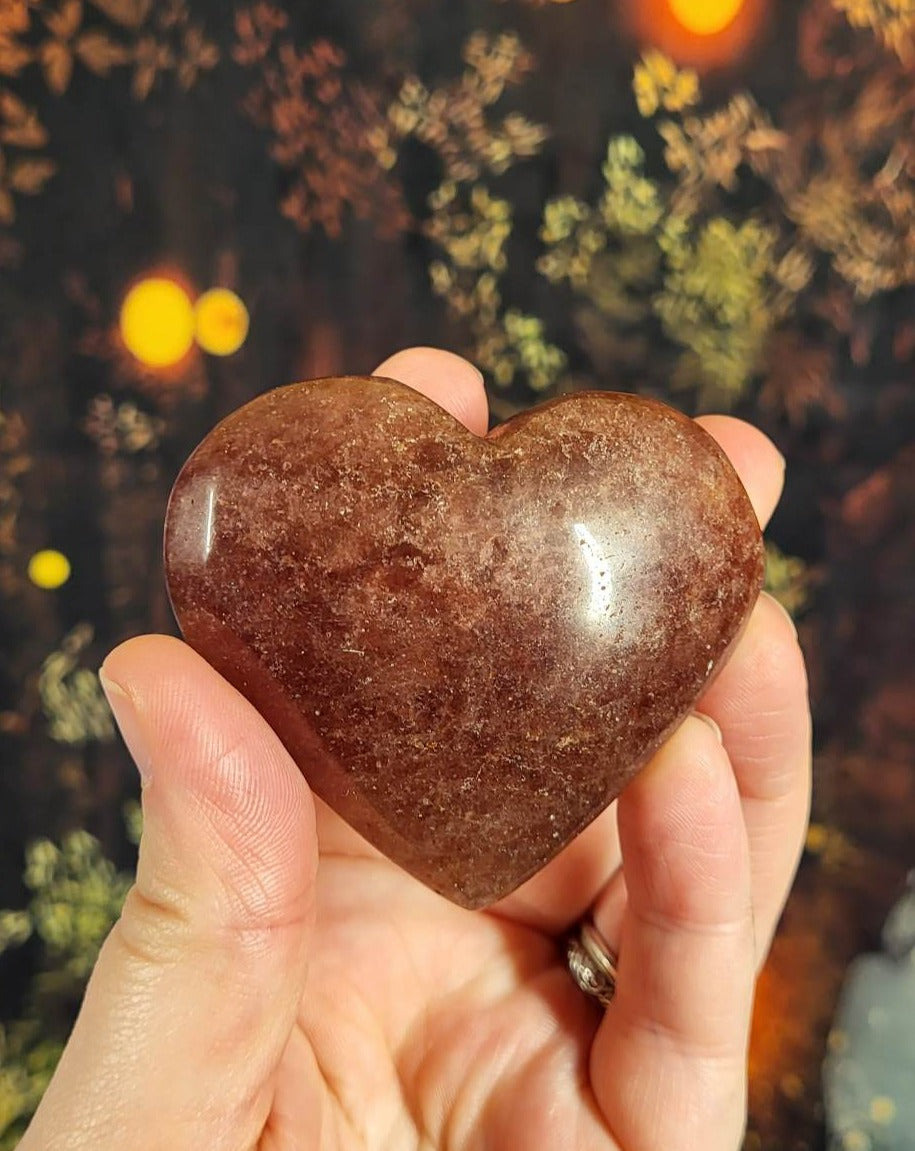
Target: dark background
{"points": [[187, 136]]}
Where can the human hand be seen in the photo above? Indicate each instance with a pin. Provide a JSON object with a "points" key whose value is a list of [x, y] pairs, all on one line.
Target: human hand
{"points": [[275, 983]]}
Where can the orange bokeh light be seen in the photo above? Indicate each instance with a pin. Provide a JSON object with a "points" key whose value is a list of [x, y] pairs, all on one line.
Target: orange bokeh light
{"points": [[706, 17], [703, 34]]}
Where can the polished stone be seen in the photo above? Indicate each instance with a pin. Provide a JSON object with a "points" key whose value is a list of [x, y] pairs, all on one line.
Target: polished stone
{"points": [[468, 645]]}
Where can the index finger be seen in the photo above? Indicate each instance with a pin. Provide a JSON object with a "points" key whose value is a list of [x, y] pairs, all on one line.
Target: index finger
{"points": [[754, 457], [448, 380]]}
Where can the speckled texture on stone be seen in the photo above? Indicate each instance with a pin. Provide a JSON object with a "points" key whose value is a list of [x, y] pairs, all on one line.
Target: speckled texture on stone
{"points": [[468, 645]]}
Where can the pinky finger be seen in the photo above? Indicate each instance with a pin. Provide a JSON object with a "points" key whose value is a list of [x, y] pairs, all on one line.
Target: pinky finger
{"points": [[669, 1064]]}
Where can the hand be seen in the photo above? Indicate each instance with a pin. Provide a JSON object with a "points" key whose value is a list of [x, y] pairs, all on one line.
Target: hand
{"points": [[275, 983]]}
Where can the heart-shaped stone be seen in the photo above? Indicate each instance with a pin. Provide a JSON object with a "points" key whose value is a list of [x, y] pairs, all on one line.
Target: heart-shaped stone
{"points": [[468, 645]]}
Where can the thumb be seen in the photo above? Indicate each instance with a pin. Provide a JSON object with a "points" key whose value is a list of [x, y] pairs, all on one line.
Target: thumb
{"points": [[196, 990]]}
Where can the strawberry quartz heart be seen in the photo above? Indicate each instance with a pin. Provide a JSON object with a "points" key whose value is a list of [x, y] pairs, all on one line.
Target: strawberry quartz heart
{"points": [[468, 645]]}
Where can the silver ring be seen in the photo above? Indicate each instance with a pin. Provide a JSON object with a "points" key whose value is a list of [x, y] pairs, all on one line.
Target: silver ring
{"points": [[592, 963]]}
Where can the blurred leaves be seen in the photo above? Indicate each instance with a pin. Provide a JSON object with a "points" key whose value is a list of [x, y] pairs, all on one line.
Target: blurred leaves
{"points": [[99, 53], [14, 16], [720, 281], [848, 184], [454, 120], [800, 379], [469, 225], [19, 124], [30, 176], [471, 228], [892, 20], [71, 696], [14, 19], [27, 1061], [659, 83], [20, 129], [15, 462], [840, 177], [706, 153], [56, 54], [76, 895], [788, 579], [327, 130], [713, 285], [128, 13], [121, 429], [609, 253], [166, 40], [716, 301]]}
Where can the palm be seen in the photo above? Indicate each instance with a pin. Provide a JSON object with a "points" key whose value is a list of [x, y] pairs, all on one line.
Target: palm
{"points": [[427, 1025]]}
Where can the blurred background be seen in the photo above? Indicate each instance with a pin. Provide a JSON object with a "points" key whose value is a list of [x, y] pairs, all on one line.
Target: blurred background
{"points": [[709, 201]]}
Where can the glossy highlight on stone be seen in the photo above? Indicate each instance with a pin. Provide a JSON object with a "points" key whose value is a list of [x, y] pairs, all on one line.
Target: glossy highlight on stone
{"points": [[468, 645]]}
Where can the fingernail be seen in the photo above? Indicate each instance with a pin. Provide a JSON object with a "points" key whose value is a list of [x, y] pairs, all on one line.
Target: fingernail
{"points": [[781, 607], [125, 713], [707, 719]]}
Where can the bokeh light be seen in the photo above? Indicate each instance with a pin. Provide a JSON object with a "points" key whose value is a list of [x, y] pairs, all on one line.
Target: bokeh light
{"points": [[222, 322], [706, 17], [701, 34], [49, 569], [157, 322]]}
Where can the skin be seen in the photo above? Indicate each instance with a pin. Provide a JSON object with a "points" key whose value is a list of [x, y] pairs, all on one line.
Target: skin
{"points": [[274, 983]]}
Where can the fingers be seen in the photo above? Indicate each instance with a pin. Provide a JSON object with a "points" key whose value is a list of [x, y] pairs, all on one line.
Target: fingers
{"points": [[668, 1064], [757, 461], [197, 988], [451, 381], [760, 702]]}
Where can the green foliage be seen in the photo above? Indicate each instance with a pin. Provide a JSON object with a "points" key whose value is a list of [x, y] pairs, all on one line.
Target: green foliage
{"points": [[609, 253], [76, 897], [788, 579], [632, 205], [716, 302], [659, 83], [471, 227], [573, 235], [27, 1062], [133, 821], [666, 250], [521, 346], [711, 285], [71, 696]]}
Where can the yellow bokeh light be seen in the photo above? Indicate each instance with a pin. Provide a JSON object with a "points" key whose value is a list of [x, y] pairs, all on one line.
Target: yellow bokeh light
{"points": [[157, 322], [222, 322], [706, 17], [49, 569]]}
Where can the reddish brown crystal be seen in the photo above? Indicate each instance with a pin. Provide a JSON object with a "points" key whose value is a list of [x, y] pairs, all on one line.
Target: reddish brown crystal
{"points": [[468, 645]]}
